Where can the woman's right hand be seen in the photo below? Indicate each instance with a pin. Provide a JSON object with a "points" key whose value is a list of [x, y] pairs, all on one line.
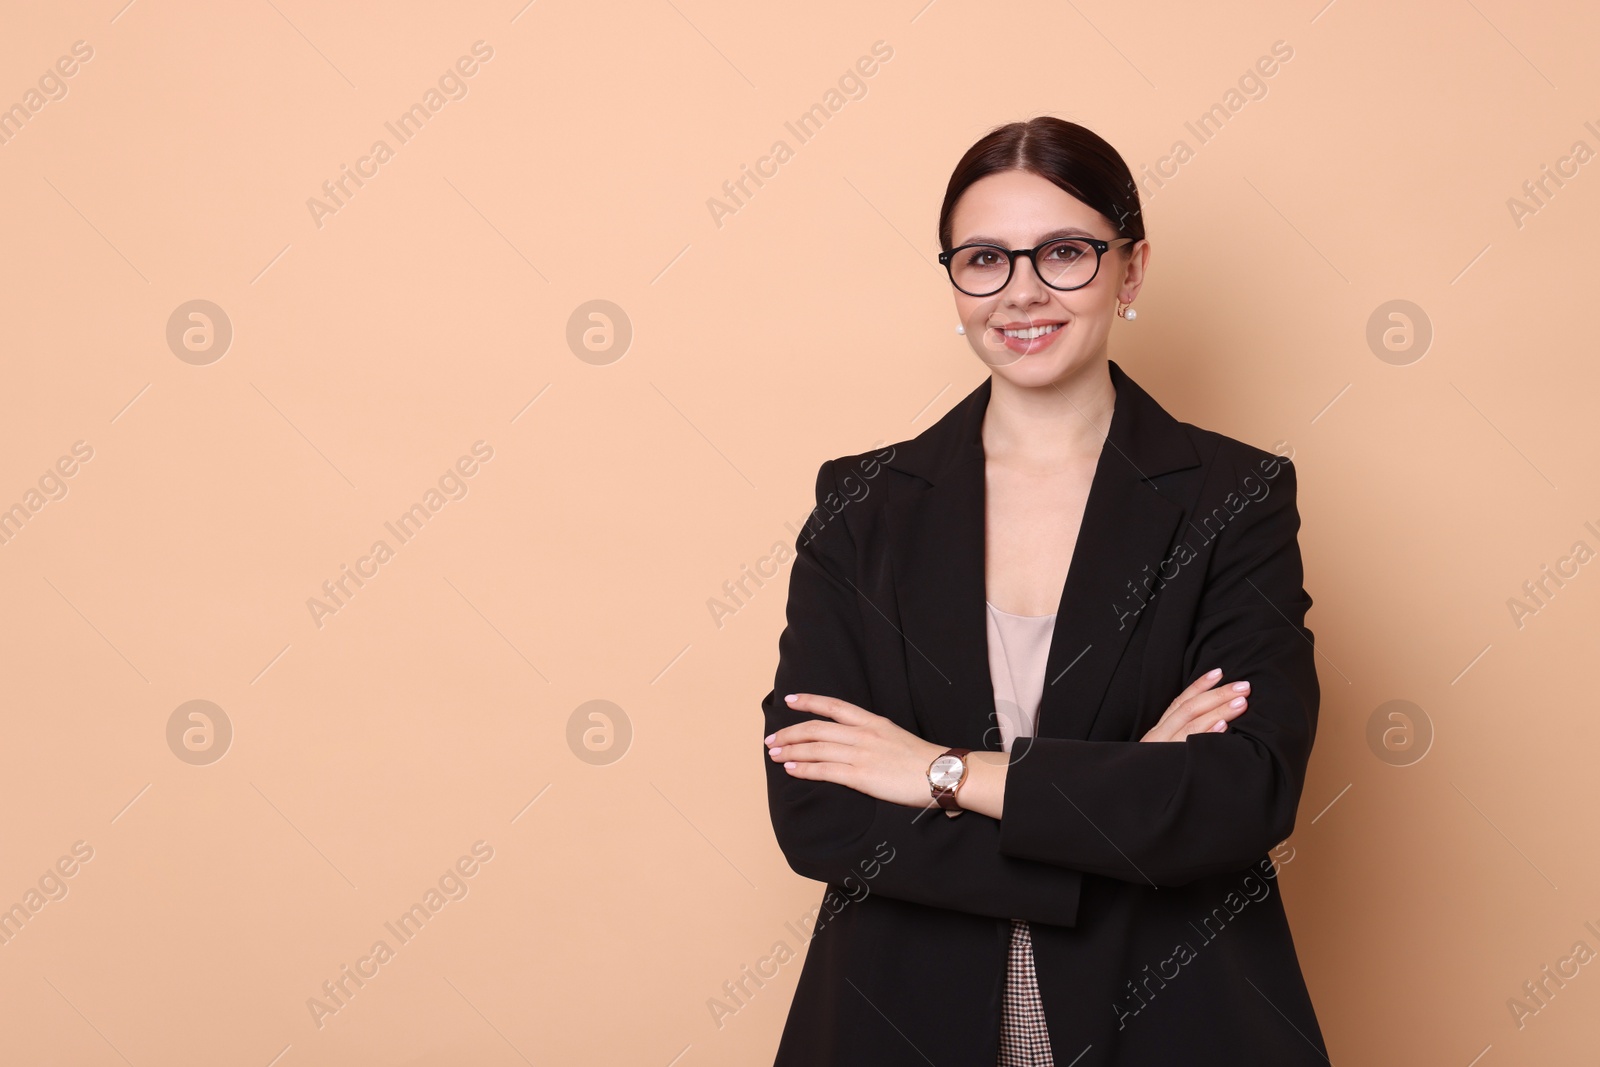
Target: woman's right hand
{"points": [[1204, 707]]}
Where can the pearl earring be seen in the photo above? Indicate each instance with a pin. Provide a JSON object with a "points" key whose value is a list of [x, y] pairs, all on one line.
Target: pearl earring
{"points": [[1126, 311], [961, 329]]}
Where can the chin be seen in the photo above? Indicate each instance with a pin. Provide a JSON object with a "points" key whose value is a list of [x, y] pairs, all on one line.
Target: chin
{"points": [[1038, 371]]}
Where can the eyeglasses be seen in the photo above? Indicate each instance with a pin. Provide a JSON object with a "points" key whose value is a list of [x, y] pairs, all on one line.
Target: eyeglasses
{"points": [[1063, 263]]}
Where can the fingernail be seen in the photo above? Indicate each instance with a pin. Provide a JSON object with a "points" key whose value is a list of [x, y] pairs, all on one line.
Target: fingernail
{"points": [[768, 738], [1236, 702], [1239, 687], [1222, 724], [775, 751], [789, 766], [791, 698], [1215, 672]]}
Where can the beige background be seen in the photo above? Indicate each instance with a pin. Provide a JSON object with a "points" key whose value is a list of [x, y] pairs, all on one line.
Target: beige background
{"points": [[431, 311]]}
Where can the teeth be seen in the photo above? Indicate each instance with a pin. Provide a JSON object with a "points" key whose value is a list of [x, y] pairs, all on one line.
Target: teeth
{"points": [[1032, 332]]}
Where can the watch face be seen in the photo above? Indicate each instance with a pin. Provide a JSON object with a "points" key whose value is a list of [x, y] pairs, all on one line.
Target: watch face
{"points": [[945, 772]]}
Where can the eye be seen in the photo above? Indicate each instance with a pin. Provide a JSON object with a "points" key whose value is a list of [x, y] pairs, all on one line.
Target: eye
{"points": [[1066, 252]]}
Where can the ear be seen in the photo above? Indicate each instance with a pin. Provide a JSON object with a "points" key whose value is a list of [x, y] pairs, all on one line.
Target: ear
{"points": [[1134, 273]]}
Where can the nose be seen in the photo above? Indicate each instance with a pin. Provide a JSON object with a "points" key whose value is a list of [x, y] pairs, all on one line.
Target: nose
{"points": [[1025, 284]]}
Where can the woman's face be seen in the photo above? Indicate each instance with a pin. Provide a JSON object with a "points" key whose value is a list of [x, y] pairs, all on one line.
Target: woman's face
{"points": [[1019, 209]]}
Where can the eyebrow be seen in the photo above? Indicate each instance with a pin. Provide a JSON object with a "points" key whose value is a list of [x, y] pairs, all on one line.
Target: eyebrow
{"points": [[1065, 231]]}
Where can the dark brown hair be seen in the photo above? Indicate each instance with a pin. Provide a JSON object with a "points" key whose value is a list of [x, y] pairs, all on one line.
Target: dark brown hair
{"points": [[1073, 157]]}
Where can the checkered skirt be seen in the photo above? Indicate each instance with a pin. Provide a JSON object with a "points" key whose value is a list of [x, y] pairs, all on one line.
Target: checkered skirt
{"points": [[1024, 1040]]}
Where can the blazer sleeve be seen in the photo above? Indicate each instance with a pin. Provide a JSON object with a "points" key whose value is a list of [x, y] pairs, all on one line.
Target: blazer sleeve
{"points": [[830, 832], [1166, 813]]}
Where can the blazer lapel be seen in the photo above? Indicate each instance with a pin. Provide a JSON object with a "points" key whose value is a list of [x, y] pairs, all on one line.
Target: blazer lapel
{"points": [[937, 566]]}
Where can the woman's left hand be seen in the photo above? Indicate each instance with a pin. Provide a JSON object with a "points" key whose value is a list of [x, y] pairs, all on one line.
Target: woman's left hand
{"points": [[855, 748]]}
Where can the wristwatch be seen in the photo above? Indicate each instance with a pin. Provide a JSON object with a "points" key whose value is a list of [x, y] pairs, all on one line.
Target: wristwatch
{"points": [[945, 775]]}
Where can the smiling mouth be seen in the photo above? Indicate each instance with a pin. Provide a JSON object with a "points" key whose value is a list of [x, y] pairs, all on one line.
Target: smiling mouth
{"points": [[1031, 332]]}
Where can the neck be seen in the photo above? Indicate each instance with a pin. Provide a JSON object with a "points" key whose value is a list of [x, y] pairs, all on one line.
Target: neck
{"points": [[1052, 424]]}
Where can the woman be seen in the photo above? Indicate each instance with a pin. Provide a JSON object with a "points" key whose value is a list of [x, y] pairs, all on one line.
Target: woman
{"points": [[1045, 697]]}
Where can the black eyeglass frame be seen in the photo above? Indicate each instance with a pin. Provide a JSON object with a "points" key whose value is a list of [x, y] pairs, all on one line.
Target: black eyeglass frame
{"points": [[1100, 248]]}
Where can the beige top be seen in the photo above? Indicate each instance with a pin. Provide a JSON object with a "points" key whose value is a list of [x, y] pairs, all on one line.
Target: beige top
{"points": [[1018, 647]]}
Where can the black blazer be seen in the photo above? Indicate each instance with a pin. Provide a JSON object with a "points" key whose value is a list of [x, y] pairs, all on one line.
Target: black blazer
{"points": [[1159, 934]]}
